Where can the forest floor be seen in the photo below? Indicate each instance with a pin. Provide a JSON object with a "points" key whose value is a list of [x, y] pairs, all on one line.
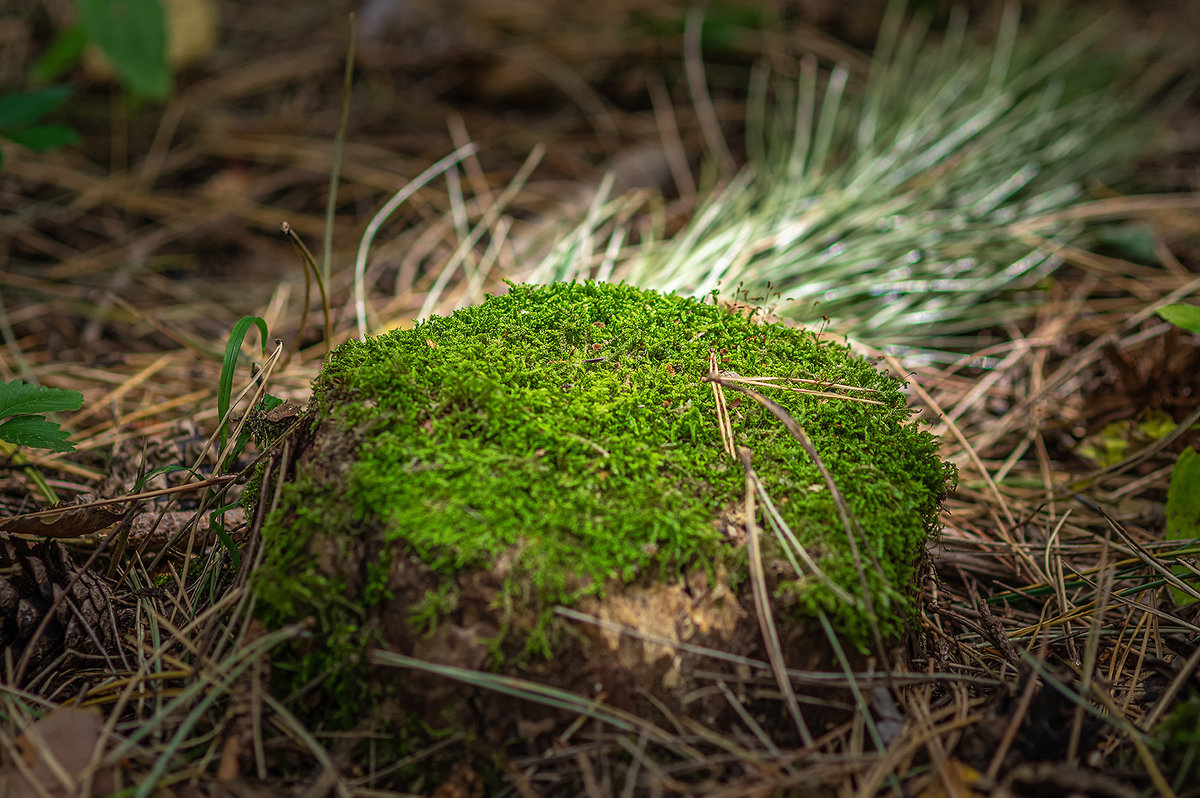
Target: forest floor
{"points": [[1055, 656]]}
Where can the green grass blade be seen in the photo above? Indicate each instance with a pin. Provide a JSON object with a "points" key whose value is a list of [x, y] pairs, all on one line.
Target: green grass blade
{"points": [[229, 366]]}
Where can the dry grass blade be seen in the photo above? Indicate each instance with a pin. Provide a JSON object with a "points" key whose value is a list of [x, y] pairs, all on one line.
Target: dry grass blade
{"points": [[849, 523], [967, 447], [724, 425], [331, 776], [744, 715], [1149, 559], [772, 382], [792, 547], [863, 713], [398, 199], [1013, 728], [800, 435], [485, 224], [540, 693], [762, 602], [1109, 715], [311, 272]]}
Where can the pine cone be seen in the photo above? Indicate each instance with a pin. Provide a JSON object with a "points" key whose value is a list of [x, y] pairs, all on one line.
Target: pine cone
{"points": [[32, 578]]}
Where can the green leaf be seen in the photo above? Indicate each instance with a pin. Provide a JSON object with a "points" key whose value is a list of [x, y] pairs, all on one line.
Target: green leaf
{"points": [[1183, 497], [64, 52], [42, 138], [23, 400], [217, 525], [1136, 242], [1185, 316], [20, 398], [133, 34], [35, 432], [22, 109], [1109, 445], [269, 402], [724, 22], [1156, 424], [1183, 506], [229, 365]]}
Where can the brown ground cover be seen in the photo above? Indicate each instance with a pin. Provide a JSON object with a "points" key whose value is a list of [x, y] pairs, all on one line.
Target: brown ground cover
{"points": [[1051, 646]]}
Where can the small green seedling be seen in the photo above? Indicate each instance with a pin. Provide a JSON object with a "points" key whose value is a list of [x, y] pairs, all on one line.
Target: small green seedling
{"points": [[1183, 504], [20, 119], [1185, 316], [1183, 508], [229, 366], [133, 35], [22, 404]]}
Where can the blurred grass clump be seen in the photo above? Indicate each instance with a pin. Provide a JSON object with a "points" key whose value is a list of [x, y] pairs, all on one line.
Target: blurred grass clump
{"points": [[917, 211]]}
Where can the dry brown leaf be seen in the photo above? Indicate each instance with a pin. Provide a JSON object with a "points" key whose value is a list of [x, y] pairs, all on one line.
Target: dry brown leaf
{"points": [[64, 521], [284, 412], [62, 743]]}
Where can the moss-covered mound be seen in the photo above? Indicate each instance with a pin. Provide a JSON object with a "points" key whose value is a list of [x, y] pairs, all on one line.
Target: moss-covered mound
{"points": [[559, 446]]}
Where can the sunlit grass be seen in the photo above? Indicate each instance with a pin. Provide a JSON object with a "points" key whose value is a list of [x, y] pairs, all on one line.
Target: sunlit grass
{"points": [[894, 209]]}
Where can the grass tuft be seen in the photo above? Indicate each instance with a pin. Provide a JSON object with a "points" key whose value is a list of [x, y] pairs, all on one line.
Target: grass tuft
{"points": [[897, 211]]}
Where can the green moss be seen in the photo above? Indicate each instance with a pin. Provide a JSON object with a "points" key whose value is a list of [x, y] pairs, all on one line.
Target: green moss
{"points": [[566, 430], [264, 432]]}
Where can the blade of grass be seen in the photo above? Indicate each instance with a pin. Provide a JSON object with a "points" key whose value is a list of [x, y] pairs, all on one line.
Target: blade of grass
{"points": [[538, 693], [339, 143], [903, 211], [310, 267], [229, 366], [762, 603], [377, 221]]}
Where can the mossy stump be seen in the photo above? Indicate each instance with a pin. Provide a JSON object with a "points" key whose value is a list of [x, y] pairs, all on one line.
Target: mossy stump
{"points": [[558, 446]]}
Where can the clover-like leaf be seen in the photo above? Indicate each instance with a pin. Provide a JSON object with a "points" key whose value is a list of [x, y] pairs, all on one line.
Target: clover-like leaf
{"points": [[23, 398], [37, 433], [24, 109], [43, 138], [25, 402], [133, 34]]}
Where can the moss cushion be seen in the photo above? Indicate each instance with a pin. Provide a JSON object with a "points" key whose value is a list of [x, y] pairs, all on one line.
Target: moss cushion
{"points": [[559, 446]]}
